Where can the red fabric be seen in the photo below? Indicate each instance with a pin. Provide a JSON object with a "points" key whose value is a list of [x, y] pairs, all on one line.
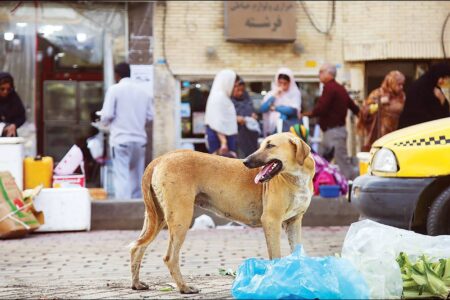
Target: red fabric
{"points": [[332, 106]]}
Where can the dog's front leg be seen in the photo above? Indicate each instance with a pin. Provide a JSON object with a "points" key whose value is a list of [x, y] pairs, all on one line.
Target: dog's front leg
{"points": [[271, 224], [293, 229]]}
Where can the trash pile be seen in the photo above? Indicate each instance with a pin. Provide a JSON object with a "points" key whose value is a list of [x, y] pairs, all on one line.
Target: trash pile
{"points": [[377, 262], [58, 192]]}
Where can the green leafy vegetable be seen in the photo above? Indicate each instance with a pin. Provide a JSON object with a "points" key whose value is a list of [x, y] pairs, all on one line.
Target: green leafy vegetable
{"points": [[424, 279]]}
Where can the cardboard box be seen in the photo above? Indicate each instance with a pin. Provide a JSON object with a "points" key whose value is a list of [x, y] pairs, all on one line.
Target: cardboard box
{"points": [[66, 181], [17, 215]]}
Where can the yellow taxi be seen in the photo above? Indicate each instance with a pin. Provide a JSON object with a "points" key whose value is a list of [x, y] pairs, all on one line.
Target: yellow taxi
{"points": [[408, 179]]}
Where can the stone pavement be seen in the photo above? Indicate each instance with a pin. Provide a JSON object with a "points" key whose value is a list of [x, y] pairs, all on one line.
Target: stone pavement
{"points": [[94, 265]]}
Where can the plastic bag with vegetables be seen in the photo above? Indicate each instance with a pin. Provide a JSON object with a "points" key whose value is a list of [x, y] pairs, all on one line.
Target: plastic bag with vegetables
{"points": [[373, 248]]}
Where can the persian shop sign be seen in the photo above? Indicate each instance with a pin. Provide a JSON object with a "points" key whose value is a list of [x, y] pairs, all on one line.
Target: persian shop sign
{"points": [[260, 21]]}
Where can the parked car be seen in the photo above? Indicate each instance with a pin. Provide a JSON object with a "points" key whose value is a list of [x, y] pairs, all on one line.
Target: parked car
{"points": [[408, 182]]}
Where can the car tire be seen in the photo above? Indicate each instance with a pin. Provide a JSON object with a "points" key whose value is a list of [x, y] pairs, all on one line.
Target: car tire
{"points": [[438, 221]]}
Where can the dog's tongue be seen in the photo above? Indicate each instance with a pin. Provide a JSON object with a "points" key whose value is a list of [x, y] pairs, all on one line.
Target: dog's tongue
{"points": [[263, 173]]}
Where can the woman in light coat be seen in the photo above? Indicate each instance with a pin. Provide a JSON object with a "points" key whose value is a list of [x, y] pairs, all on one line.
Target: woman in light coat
{"points": [[282, 103], [220, 115]]}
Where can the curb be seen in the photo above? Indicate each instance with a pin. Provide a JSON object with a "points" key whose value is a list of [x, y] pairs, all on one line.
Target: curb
{"points": [[129, 214]]}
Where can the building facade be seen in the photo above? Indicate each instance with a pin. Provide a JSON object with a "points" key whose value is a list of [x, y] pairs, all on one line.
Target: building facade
{"points": [[62, 54], [364, 39]]}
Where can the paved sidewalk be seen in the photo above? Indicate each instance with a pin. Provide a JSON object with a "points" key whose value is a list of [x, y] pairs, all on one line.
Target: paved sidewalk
{"points": [[96, 264]]}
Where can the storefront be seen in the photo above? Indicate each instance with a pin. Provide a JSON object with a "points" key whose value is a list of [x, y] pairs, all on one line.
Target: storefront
{"points": [[61, 56]]}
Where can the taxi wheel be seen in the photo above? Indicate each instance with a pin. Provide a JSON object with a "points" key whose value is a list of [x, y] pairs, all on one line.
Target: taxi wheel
{"points": [[438, 221]]}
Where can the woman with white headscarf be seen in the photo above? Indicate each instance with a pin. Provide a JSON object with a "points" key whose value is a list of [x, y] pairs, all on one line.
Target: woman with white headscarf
{"points": [[220, 115], [281, 103]]}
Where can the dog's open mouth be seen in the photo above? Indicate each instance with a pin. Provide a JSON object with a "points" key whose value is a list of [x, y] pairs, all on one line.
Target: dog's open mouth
{"points": [[269, 171]]}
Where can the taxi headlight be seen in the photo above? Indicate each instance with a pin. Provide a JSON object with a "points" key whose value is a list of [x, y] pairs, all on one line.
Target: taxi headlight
{"points": [[384, 161]]}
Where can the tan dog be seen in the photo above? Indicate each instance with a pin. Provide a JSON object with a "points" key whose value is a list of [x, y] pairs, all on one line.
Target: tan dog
{"points": [[174, 182]]}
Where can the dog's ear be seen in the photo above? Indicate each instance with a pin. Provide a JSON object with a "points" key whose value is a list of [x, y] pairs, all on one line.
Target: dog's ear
{"points": [[302, 150]]}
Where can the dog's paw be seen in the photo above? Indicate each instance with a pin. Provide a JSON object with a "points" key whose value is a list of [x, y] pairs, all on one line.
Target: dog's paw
{"points": [[139, 286], [189, 290]]}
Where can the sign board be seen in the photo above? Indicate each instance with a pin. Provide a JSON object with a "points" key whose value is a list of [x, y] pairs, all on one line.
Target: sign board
{"points": [[144, 74], [260, 21]]}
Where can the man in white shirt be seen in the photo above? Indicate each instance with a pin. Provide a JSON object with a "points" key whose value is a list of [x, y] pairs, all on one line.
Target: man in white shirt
{"points": [[127, 108]]}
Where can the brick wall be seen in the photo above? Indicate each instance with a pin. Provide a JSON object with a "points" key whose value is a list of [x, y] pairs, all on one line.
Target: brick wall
{"points": [[192, 26]]}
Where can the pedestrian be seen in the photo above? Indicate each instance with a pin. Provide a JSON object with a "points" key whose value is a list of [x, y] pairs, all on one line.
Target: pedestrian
{"points": [[282, 104], [331, 109], [247, 139], [127, 108], [220, 115], [381, 110], [425, 100], [12, 111]]}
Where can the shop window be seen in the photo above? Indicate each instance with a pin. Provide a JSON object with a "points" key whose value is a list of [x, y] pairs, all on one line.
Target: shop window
{"points": [[194, 95]]}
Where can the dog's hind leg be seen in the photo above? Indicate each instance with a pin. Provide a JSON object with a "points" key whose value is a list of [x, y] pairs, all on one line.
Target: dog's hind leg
{"points": [[293, 228], [137, 253], [153, 223], [178, 224]]}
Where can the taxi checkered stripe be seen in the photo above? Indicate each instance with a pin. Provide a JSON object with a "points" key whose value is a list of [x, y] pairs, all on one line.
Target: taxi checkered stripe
{"points": [[441, 140]]}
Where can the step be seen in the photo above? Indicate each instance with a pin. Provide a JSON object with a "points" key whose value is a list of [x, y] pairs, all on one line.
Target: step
{"points": [[129, 214]]}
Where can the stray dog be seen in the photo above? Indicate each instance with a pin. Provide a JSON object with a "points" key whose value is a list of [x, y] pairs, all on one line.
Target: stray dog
{"points": [[274, 196]]}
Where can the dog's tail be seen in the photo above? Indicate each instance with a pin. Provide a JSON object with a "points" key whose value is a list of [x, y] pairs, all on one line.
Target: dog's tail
{"points": [[154, 216]]}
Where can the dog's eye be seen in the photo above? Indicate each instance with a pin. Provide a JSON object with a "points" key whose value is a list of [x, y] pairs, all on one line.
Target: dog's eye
{"points": [[268, 146]]}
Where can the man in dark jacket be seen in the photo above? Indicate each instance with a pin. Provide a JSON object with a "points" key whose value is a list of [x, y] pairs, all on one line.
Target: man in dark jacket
{"points": [[425, 100], [331, 109], [12, 111]]}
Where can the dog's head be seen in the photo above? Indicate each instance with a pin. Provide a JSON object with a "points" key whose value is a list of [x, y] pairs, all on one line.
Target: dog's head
{"points": [[281, 152]]}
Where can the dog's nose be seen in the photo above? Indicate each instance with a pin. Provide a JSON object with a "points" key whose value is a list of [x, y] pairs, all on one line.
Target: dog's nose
{"points": [[250, 162]]}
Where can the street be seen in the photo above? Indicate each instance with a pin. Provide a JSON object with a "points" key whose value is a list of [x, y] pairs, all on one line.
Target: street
{"points": [[87, 265]]}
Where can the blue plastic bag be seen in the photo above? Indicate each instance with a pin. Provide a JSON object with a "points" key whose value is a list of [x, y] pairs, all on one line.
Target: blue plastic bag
{"points": [[298, 276]]}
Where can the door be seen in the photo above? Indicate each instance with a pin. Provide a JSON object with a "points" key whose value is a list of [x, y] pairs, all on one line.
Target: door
{"points": [[60, 117], [69, 108]]}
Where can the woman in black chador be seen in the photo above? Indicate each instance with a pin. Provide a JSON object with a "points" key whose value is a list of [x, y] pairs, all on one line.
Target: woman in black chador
{"points": [[12, 112], [425, 100]]}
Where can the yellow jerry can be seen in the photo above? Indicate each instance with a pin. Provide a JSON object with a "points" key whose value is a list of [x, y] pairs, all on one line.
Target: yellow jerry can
{"points": [[37, 170]]}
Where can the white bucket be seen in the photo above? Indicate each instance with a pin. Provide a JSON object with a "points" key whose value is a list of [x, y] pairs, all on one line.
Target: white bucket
{"points": [[11, 157]]}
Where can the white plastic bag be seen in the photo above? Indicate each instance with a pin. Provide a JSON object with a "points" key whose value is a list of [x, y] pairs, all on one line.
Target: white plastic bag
{"points": [[95, 145], [203, 222], [373, 248]]}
